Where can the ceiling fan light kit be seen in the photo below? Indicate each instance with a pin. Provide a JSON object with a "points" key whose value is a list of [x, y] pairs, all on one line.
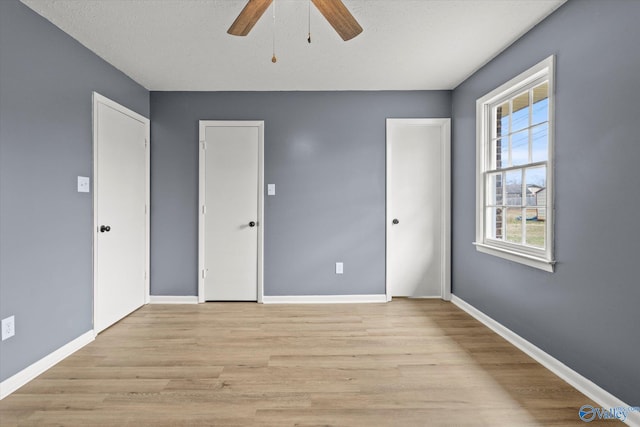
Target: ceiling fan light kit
{"points": [[334, 11]]}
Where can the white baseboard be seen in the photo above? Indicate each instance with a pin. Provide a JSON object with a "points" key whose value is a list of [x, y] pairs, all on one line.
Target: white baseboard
{"points": [[172, 299], [324, 299], [580, 383], [16, 381]]}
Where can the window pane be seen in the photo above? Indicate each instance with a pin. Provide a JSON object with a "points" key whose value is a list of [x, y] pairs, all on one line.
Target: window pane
{"points": [[520, 148], [540, 104], [501, 120], [520, 119], [540, 143], [514, 225], [536, 185], [494, 190], [535, 229], [494, 223], [514, 188]]}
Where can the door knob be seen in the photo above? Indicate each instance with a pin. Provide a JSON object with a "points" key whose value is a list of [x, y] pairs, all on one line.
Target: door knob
{"points": [[252, 224], [395, 221], [104, 228]]}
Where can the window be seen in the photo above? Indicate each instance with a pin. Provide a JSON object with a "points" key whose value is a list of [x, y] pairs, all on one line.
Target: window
{"points": [[514, 198]]}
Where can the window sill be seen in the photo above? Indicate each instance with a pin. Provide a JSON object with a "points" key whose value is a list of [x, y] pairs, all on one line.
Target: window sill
{"points": [[531, 261]]}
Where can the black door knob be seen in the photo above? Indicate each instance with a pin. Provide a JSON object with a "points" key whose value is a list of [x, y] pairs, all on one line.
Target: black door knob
{"points": [[252, 224], [395, 221], [104, 228]]}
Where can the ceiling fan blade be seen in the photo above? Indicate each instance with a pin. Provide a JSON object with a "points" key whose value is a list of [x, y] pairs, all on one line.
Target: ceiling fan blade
{"points": [[339, 17], [253, 10]]}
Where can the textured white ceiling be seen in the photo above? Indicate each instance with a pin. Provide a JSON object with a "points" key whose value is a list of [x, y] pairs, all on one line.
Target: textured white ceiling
{"points": [[169, 45]]}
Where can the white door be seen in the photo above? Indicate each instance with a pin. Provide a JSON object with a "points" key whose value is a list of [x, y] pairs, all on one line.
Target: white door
{"points": [[418, 186], [231, 212], [121, 221]]}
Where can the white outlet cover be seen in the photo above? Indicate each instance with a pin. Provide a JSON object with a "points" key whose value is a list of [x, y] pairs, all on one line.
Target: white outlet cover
{"points": [[83, 184], [339, 268], [271, 189], [8, 327]]}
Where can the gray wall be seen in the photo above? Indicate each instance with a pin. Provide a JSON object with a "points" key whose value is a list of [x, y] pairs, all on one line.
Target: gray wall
{"points": [[325, 151], [586, 314], [46, 80]]}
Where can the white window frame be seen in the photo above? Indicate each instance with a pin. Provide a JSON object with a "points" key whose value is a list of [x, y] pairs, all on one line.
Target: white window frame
{"points": [[533, 257]]}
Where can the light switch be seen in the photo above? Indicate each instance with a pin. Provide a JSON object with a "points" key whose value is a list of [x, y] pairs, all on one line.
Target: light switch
{"points": [[339, 268], [271, 189], [83, 184]]}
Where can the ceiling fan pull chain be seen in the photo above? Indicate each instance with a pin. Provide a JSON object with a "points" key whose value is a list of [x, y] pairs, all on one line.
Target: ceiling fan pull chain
{"points": [[273, 58], [309, 38]]}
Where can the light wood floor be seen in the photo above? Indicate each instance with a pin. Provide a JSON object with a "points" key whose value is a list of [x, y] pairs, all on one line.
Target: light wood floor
{"points": [[405, 363]]}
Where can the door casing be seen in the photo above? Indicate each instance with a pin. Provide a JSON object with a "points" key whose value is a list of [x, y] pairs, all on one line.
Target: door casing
{"points": [[445, 199], [202, 201], [100, 99]]}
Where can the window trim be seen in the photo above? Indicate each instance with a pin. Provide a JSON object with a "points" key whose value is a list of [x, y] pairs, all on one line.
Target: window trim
{"points": [[541, 259]]}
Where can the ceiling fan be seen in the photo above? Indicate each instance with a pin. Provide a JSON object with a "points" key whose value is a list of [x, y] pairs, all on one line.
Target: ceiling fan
{"points": [[334, 11]]}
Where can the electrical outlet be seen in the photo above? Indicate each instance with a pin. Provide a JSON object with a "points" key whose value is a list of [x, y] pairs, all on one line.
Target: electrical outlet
{"points": [[8, 327], [339, 268]]}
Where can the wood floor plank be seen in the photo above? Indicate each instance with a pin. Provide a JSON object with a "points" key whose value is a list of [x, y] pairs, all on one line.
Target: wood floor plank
{"points": [[405, 363]]}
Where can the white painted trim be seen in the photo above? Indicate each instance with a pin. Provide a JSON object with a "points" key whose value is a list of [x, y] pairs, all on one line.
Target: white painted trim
{"points": [[580, 383], [521, 258], [173, 299], [16, 381], [261, 191], [445, 202], [202, 179], [424, 297], [324, 299], [446, 210], [203, 124], [147, 243], [97, 98]]}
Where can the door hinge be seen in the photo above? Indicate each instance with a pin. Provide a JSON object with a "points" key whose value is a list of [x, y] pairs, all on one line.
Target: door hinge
{"points": [[146, 209], [204, 273], [146, 143], [204, 209], [204, 144]]}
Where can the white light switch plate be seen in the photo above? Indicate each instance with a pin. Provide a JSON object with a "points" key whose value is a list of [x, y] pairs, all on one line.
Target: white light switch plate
{"points": [[83, 184], [339, 268], [271, 189]]}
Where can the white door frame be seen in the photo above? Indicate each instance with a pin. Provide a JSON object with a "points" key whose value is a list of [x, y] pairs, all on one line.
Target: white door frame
{"points": [[96, 99], [202, 207], [445, 229]]}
